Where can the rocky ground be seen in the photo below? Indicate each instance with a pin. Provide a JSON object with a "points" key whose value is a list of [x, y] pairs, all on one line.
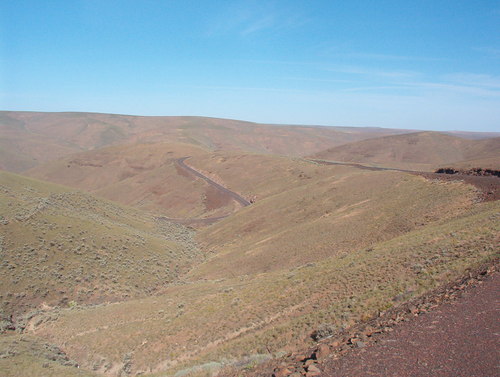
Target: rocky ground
{"points": [[489, 186], [451, 332], [473, 171]]}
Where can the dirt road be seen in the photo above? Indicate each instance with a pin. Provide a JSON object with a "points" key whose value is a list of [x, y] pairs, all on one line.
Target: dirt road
{"points": [[488, 185], [210, 220], [460, 338], [180, 162]]}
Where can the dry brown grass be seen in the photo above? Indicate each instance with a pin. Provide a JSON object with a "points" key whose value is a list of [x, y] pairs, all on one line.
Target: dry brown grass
{"points": [[142, 175], [324, 245], [305, 213], [28, 139], [59, 245], [232, 318], [417, 151], [23, 356]]}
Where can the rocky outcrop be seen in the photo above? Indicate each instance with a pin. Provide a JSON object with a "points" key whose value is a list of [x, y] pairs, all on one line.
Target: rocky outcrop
{"points": [[474, 171]]}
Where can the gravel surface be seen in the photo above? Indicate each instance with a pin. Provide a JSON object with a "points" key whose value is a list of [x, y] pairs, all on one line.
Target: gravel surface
{"points": [[460, 338]]}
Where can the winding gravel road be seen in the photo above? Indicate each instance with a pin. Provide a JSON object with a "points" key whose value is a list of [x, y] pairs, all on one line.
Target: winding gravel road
{"points": [[210, 220], [488, 185], [232, 194]]}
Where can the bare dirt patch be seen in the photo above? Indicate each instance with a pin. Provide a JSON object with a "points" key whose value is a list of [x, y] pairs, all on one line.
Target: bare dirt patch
{"points": [[183, 172], [214, 198]]}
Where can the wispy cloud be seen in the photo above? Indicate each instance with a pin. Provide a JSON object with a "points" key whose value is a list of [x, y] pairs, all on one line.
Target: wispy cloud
{"points": [[490, 52], [452, 88], [368, 71], [248, 18], [258, 24], [371, 79], [474, 79], [379, 56], [439, 85]]}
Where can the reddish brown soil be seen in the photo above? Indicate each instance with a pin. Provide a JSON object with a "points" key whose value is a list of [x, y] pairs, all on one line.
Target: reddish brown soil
{"points": [[214, 198], [237, 197], [183, 172], [460, 338], [453, 331], [488, 185]]}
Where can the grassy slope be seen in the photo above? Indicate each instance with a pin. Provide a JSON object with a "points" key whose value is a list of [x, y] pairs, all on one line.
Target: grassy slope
{"points": [[322, 244], [404, 235], [325, 218], [142, 175], [306, 212], [419, 151], [59, 245], [23, 356], [31, 138], [485, 163], [215, 320]]}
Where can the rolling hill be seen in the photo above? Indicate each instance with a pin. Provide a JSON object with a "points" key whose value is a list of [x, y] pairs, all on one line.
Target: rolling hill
{"points": [[88, 281], [145, 176], [28, 139], [418, 151], [62, 246], [333, 246]]}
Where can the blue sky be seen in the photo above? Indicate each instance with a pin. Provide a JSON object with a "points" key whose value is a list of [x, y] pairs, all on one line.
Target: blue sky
{"points": [[407, 64]]}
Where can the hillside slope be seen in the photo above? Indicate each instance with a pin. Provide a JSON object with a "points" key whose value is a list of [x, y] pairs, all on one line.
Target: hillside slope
{"points": [[321, 247], [314, 212], [205, 324], [28, 139], [418, 151], [62, 246], [145, 176]]}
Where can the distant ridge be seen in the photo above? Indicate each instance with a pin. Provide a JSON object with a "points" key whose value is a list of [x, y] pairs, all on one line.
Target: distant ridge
{"points": [[420, 150], [28, 139]]}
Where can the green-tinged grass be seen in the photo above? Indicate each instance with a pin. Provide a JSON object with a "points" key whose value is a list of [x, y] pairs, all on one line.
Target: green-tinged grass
{"points": [[22, 356], [59, 245], [213, 321], [324, 217]]}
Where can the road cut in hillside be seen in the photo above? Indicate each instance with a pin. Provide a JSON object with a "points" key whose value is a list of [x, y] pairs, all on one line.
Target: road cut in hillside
{"points": [[225, 191]]}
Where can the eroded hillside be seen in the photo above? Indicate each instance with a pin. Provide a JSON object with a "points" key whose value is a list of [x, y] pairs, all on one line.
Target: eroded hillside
{"points": [[145, 176]]}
